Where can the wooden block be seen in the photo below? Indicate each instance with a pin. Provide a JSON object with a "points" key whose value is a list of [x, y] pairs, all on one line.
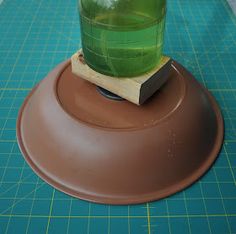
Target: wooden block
{"points": [[135, 89]]}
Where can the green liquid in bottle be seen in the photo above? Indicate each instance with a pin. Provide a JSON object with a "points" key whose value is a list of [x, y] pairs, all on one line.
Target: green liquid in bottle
{"points": [[122, 45]]}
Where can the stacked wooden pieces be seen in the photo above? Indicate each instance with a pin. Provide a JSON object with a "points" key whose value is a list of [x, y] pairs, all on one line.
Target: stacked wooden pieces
{"points": [[135, 89]]}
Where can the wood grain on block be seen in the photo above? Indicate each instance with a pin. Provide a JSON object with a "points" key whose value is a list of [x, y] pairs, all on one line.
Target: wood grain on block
{"points": [[135, 89]]}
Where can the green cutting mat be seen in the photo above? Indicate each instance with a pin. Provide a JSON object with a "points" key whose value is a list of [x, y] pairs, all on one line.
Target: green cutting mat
{"points": [[35, 35]]}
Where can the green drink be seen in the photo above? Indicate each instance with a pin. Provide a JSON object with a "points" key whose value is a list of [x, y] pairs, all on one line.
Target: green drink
{"points": [[122, 38]]}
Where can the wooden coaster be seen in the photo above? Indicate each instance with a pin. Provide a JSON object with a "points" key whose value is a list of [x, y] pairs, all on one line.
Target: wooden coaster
{"points": [[136, 89]]}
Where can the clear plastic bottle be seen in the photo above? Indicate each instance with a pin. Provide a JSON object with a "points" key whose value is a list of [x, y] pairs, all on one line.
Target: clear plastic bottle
{"points": [[122, 38]]}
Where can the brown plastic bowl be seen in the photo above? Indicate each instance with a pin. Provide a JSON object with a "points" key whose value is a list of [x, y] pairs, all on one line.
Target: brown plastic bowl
{"points": [[115, 152]]}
